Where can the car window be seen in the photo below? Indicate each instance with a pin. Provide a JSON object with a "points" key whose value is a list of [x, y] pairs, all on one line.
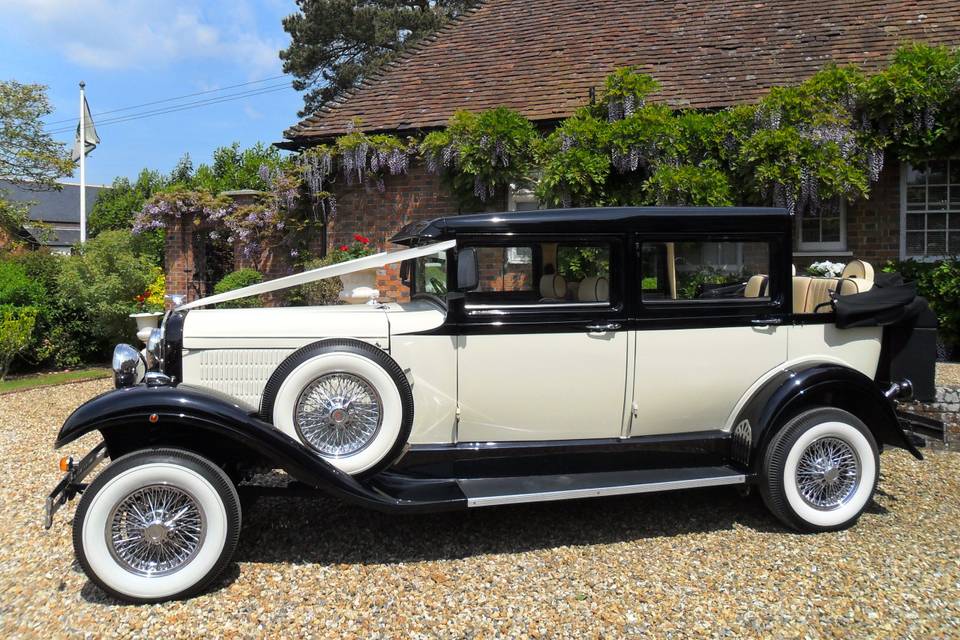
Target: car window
{"points": [[542, 274], [704, 270], [430, 274]]}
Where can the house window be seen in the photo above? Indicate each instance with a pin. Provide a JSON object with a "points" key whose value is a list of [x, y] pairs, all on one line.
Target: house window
{"points": [[522, 200], [823, 230], [930, 209]]}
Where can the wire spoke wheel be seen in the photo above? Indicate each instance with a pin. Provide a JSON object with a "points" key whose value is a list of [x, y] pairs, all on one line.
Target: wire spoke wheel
{"points": [[338, 414], [156, 530], [828, 473]]}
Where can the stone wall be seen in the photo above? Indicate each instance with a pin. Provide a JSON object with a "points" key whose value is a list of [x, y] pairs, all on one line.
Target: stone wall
{"points": [[946, 408]]}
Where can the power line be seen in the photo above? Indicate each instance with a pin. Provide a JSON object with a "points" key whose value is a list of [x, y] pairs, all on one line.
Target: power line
{"points": [[188, 95], [182, 107]]}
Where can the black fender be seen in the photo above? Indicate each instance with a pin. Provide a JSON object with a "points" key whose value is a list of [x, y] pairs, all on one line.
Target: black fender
{"points": [[807, 385], [215, 426]]}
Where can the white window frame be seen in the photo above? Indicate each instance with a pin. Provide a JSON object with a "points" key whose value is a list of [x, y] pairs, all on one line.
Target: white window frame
{"points": [[824, 248], [516, 196], [904, 170]]}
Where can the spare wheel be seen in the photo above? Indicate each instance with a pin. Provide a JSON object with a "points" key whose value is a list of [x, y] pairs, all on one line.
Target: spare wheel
{"points": [[346, 400]]}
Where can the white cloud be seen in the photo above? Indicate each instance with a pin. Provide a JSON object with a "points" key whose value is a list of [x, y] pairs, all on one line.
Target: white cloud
{"points": [[144, 34]]}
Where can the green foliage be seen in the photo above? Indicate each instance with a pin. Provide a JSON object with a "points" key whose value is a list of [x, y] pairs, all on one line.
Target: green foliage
{"points": [[481, 155], [237, 280], [116, 208], [914, 103], [232, 169], [16, 333], [939, 283], [335, 44], [97, 286], [702, 185], [575, 163], [17, 287], [577, 263]]}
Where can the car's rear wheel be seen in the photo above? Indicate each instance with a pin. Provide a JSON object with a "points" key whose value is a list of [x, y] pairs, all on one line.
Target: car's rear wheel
{"points": [[157, 525], [820, 470], [345, 399]]}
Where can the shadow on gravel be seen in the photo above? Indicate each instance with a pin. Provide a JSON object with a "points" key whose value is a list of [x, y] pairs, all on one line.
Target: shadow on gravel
{"points": [[321, 530]]}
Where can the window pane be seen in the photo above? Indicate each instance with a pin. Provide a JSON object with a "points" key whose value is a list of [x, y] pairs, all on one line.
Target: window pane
{"points": [[916, 197], [936, 197], [809, 229], [936, 243], [955, 193], [955, 172], [703, 270], [936, 221], [937, 172], [830, 230], [916, 175], [431, 274], [497, 273], [915, 220], [953, 248], [915, 243], [542, 273]]}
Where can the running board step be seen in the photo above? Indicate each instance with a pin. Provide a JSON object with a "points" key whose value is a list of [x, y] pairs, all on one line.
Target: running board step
{"points": [[485, 492]]}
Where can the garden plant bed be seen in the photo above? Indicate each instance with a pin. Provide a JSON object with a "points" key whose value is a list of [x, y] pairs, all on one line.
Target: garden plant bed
{"points": [[30, 381], [695, 563]]}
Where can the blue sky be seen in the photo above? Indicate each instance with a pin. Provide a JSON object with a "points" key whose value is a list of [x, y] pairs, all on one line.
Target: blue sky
{"points": [[135, 51]]}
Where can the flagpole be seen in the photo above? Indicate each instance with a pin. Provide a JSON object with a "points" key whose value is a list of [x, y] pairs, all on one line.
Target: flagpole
{"points": [[83, 167]]}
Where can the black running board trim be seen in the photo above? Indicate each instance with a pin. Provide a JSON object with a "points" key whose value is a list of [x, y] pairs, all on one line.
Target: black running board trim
{"points": [[485, 492]]}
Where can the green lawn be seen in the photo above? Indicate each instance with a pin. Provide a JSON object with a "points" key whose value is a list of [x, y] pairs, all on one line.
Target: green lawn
{"points": [[20, 383]]}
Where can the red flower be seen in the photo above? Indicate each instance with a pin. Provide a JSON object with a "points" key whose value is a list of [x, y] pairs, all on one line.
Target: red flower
{"points": [[358, 237], [344, 247]]}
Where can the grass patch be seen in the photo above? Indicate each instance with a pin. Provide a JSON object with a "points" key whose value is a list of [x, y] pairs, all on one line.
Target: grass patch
{"points": [[21, 383]]}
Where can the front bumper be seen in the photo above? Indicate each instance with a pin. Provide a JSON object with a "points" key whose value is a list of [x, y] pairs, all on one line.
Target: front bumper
{"points": [[72, 482]]}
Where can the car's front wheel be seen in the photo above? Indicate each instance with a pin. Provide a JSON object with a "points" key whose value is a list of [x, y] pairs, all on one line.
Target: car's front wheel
{"points": [[820, 470], [157, 525]]}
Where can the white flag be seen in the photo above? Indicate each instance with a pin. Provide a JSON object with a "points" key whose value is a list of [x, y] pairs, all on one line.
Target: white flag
{"points": [[90, 135]]}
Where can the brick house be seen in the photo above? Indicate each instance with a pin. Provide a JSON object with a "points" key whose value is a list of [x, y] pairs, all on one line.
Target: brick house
{"points": [[543, 58]]}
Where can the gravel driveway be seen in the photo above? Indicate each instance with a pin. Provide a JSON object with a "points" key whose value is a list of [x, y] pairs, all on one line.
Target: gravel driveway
{"points": [[686, 564]]}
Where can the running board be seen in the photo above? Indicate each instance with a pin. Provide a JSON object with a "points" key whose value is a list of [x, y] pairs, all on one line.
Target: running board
{"points": [[485, 492]]}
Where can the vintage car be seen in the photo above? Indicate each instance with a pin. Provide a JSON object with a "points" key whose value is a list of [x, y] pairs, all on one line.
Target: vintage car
{"points": [[542, 355]]}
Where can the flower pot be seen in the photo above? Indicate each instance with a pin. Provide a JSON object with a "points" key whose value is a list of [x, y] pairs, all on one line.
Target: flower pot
{"points": [[150, 319], [359, 286]]}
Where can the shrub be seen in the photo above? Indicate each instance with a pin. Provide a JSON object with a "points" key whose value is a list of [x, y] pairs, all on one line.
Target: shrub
{"points": [[17, 287], [237, 280], [320, 292], [96, 287], [16, 333], [939, 283]]}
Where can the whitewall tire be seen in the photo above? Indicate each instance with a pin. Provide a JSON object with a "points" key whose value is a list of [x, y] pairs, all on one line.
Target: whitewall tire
{"points": [[157, 525], [346, 400], [820, 470]]}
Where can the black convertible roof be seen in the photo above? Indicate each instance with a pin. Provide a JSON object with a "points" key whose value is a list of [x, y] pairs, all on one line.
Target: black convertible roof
{"points": [[600, 220]]}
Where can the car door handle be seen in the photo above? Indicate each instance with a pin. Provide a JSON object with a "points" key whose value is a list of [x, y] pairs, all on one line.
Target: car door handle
{"points": [[764, 322], [608, 326]]}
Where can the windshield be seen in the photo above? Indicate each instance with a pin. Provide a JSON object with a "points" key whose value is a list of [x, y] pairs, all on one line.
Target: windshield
{"points": [[430, 275]]}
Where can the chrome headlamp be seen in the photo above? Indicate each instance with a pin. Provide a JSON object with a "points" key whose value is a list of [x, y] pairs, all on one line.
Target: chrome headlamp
{"points": [[154, 349], [129, 367]]}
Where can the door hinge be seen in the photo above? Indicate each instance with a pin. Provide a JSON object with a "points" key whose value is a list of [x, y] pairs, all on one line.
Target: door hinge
{"points": [[635, 410]]}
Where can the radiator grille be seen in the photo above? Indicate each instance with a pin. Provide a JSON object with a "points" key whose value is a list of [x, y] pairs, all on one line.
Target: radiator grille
{"points": [[240, 373]]}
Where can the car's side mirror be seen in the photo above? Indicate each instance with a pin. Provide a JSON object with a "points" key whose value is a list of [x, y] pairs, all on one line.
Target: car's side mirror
{"points": [[468, 270]]}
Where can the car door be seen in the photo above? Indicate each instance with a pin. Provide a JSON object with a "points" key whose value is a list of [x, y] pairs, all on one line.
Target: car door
{"points": [[708, 328], [542, 341]]}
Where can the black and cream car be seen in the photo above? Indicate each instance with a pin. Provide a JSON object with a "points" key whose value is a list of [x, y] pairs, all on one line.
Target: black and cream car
{"points": [[543, 355]]}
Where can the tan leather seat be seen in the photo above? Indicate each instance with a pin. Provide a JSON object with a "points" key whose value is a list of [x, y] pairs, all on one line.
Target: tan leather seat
{"points": [[857, 277], [819, 295], [756, 287], [594, 289], [553, 287], [801, 284]]}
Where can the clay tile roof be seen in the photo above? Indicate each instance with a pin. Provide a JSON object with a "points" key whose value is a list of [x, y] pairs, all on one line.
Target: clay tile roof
{"points": [[541, 57]]}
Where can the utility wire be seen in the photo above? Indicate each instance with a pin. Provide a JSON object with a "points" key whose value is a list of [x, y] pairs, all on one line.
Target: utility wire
{"points": [[188, 95], [181, 107]]}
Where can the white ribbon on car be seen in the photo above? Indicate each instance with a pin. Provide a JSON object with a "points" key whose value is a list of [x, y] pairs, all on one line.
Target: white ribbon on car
{"points": [[332, 271]]}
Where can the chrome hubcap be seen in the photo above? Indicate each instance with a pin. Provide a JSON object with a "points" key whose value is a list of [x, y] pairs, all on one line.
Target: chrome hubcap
{"points": [[828, 473], [155, 530], [338, 414]]}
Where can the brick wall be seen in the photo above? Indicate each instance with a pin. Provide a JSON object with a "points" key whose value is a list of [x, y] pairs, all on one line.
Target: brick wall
{"points": [[362, 208], [184, 254]]}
